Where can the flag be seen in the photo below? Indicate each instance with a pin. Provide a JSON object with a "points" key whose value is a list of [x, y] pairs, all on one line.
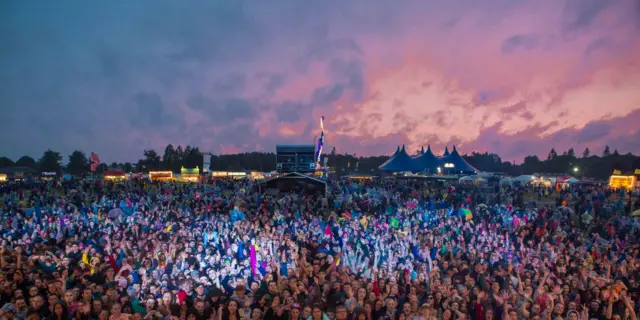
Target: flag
{"points": [[395, 223], [253, 260], [95, 161], [617, 172], [206, 163], [637, 171]]}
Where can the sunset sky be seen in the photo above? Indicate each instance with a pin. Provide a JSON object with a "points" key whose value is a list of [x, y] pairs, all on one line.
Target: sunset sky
{"points": [[514, 77]]}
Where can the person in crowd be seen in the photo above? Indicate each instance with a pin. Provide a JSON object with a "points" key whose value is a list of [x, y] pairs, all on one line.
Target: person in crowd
{"points": [[373, 250]]}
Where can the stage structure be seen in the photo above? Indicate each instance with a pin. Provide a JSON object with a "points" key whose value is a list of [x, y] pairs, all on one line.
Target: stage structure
{"points": [[320, 144], [302, 158], [295, 158]]}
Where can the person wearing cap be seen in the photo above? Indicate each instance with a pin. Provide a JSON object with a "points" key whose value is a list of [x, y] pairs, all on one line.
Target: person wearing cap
{"points": [[7, 312]]}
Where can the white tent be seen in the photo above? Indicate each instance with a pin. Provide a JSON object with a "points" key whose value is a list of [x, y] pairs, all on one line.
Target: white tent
{"points": [[571, 180], [523, 178], [480, 180], [466, 179], [505, 181]]}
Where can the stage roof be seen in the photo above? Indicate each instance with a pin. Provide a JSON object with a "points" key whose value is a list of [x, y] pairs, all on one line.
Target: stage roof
{"points": [[295, 148]]}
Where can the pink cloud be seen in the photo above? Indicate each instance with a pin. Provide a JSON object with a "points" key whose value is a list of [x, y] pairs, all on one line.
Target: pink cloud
{"points": [[496, 75]]}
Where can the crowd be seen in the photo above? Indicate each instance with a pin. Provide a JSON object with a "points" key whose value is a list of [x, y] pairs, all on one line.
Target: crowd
{"points": [[375, 250]]}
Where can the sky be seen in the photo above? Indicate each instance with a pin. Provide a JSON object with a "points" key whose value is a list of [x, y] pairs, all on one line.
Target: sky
{"points": [[513, 77]]}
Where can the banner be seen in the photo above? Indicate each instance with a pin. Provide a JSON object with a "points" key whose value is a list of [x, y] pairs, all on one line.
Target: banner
{"points": [[617, 172], [206, 163], [637, 171], [95, 161]]}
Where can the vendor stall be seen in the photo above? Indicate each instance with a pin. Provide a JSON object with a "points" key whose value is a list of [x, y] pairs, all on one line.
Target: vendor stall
{"points": [[48, 175], [622, 181], [189, 174], [3, 177], [360, 178], [256, 175], [114, 175], [160, 175], [228, 174]]}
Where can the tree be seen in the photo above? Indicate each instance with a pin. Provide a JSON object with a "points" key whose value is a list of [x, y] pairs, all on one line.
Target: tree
{"points": [[571, 153], [179, 155], [169, 158], [78, 163], [51, 161], [26, 161], [151, 160], [606, 151], [192, 158], [127, 167], [102, 167], [552, 154], [615, 153], [6, 162], [586, 153], [333, 152]]}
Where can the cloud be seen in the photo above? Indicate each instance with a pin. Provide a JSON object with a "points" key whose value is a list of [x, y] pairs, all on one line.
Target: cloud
{"points": [[593, 131], [615, 132], [118, 77], [519, 42], [288, 111], [326, 95], [150, 110]]}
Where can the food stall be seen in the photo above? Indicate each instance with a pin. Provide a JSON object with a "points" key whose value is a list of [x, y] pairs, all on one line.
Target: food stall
{"points": [[189, 174], [620, 181], [228, 174], [160, 175], [360, 178], [48, 175], [256, 175], [114, 175], [3, 177]]}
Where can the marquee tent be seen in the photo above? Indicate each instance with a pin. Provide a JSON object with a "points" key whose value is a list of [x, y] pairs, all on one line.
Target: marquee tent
{"points": [[427, 161], [524, 178], [505, 182], [571, 180], [399, 161], [455, 163]]}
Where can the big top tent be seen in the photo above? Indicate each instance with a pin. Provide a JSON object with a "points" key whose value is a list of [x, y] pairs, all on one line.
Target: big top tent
{"points": [[454, 163], [400, 161], [427, 162]]}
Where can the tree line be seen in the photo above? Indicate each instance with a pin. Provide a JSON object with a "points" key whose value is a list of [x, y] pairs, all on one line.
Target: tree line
{"points": [[174, 158]]}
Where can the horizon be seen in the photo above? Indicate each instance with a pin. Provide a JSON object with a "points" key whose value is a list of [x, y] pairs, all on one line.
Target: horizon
{"points": [[577, 154], [514, 78]]}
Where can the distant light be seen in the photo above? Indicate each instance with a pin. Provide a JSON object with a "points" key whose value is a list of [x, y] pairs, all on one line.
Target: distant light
{"points": [[449, 165], [439, 169], [576, 169]]}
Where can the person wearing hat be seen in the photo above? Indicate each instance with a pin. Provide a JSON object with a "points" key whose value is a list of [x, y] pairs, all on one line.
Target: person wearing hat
{"points": [[7, 312]]}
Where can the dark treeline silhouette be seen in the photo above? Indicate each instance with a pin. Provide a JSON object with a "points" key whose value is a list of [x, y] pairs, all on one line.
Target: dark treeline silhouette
{"points": [[173, 158]]}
